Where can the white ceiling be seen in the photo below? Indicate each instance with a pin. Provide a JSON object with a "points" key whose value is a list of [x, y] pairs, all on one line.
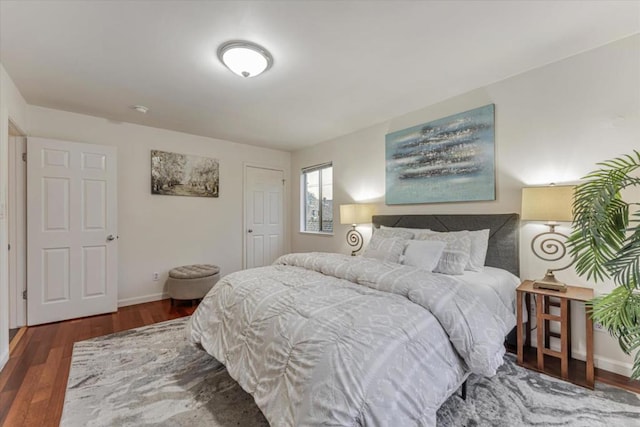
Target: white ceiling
{"points": [[339, 66]]}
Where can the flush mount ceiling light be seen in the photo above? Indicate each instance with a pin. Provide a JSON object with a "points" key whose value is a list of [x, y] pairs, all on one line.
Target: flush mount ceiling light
{"points": [[244, 58]]}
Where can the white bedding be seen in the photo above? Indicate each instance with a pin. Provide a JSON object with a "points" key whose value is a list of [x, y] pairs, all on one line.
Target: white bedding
{"points": [[493, 286], [334, 340]]}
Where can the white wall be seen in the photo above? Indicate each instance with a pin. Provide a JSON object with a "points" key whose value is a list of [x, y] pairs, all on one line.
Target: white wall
{"points": [[156, 232], [552, 125], [12, 107]]}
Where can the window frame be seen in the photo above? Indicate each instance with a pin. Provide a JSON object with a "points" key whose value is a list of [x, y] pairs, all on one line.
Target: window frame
{"points": [[303, 197]]}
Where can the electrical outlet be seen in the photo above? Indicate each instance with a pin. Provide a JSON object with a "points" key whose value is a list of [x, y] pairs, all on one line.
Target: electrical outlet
{"points": [[597, 326], [156, 276]]}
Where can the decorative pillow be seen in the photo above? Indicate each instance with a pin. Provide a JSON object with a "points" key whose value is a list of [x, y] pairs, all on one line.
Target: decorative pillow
{"points": [[423, 254], [456, 254], [416, 232], [385, 249], [387, 232], [478, 253]]}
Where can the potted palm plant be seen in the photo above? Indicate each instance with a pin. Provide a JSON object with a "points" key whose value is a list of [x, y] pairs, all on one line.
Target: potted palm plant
{"points": [[606, 244]]}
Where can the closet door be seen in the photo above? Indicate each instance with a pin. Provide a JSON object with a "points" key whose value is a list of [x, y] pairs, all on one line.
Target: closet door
{"points": [[264, 224]]}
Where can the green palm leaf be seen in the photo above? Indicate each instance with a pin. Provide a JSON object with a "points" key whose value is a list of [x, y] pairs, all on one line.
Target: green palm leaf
{"points": [[606, 244]]}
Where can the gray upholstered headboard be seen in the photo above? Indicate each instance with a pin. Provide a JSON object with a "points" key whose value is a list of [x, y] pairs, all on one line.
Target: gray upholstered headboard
{"points": [[503, 249]]}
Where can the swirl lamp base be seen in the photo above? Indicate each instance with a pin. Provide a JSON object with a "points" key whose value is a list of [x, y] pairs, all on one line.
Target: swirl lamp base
{"points": [[550, 282], [549, 246], [354, 238]]}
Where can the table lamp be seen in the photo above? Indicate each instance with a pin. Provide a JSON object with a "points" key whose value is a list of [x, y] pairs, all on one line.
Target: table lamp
{"points": [[551, 204]]}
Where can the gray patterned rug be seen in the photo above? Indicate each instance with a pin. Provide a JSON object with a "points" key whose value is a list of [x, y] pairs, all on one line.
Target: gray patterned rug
{"points": [[152, 376]]}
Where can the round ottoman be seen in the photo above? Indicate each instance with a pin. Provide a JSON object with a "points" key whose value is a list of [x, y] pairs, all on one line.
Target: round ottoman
{"points": [[191, 282]]}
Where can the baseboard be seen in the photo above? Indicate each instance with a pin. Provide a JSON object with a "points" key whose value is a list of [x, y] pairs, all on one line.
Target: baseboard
{"points": [[139, 300], [607, 364], [4, 359]]}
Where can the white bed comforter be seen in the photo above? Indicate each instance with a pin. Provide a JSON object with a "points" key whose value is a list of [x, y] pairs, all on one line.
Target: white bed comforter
{"points": [[333, 340]]}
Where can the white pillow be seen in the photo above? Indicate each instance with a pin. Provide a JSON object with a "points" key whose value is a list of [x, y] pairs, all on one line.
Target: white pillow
{"points": [[385, 249], [387, 232], [456, 254], [423, 254], [478, 253], [401, 231]]}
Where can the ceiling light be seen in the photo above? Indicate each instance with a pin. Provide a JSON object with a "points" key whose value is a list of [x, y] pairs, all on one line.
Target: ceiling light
{"points": [[244, 58], [140, 109]]}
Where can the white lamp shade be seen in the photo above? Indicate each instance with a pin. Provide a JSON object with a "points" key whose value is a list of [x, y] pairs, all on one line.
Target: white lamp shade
{"points": [[356, 214], [551, 203]]}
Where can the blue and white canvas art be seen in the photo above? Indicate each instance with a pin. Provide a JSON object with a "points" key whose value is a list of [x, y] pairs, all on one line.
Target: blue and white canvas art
{"points": [[447, 160]]}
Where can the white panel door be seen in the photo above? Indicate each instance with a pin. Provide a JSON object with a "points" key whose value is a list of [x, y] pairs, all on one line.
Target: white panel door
{"points": [[72, 230], [264, 223]]}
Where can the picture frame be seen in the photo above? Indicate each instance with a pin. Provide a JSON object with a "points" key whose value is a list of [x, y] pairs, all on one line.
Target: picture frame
{"points": [[174, 174]]}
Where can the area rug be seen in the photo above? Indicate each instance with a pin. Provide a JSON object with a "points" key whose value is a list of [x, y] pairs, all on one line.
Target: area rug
{"points": [[153, 376]]}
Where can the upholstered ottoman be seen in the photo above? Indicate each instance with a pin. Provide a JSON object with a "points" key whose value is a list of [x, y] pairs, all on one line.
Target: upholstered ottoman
{"points": [[191, 282]]}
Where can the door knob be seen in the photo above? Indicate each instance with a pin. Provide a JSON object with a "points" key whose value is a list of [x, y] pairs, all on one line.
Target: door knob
{"points": [[110, 238], [249, 231]]}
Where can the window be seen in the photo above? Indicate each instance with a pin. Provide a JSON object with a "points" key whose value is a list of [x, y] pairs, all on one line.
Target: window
{"points": [[317, 199]]}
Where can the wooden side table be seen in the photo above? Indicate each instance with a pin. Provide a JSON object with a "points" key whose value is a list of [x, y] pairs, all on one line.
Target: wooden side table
{"points": [[543, 318]]}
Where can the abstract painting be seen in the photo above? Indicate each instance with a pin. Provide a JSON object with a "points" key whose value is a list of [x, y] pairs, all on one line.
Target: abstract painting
{"points": [[446, 160], [174, 174]]}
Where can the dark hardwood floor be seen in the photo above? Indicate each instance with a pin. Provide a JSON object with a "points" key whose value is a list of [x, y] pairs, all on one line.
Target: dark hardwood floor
{"points": [[33, 383], [34, 380], [577, 371]]}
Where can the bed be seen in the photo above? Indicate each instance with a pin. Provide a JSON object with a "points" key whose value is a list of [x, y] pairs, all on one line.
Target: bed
{"points": [[334, 340]]}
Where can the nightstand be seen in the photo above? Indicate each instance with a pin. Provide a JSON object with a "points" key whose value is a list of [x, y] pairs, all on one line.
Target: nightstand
{"points": [[545, 299]]}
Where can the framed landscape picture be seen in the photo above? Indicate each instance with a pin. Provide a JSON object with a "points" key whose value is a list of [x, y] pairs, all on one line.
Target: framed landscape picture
{"points": [[174, 174], [447, 160]]}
